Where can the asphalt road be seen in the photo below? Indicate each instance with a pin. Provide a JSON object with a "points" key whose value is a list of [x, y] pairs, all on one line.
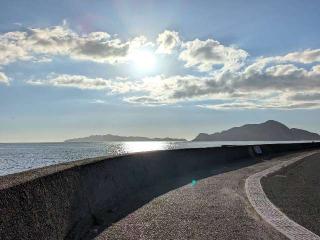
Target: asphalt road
{"points": [[212, 208], [295, 190]]}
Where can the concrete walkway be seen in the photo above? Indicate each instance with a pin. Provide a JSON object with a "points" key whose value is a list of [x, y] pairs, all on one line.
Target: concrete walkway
{"points": [[212, 208], [296, 191], [268, 211]]}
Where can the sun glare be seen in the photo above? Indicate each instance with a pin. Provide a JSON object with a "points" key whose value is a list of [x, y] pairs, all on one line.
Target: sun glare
{"points": [[132, 147], [144, 60]]}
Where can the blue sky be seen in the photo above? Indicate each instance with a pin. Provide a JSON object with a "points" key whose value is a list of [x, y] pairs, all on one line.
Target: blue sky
{"points": [[156, 68]]}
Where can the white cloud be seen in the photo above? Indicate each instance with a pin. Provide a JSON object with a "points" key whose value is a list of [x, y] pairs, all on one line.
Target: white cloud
{"points": [[250, 105], [117, 85], [306, 56], [206, 54], [3, 78], [167, 41], [165, 90], [75, 81], [290, 81], [98, 101], [271, 87], [42, 43], [57, 40], [229, 106], [280, 77], [274, 87], [11, 48], [305, 96]]}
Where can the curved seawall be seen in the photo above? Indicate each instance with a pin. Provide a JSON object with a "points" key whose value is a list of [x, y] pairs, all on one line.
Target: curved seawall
{"points": [[78, 199]]}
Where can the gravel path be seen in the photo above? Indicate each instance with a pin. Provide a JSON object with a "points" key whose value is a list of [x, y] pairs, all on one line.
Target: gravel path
{"points": [[212, 208], [295, 190]]}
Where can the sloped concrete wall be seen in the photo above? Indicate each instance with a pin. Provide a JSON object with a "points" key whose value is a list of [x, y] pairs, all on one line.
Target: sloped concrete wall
{"points": [[68, 201]]}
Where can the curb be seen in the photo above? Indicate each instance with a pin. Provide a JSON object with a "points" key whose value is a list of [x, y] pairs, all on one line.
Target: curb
{"points": [[269, 212]]}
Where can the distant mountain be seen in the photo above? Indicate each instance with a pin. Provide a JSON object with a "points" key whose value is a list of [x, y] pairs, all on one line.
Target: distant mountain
{"points": [[268, 131], [115, 138]]}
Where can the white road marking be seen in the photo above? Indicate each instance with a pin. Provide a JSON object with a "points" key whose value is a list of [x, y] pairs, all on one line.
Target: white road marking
{"points": [[269, 212]]}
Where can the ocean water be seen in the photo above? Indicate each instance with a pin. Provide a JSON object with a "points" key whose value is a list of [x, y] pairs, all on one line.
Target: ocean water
{"points": [[18, 157]]}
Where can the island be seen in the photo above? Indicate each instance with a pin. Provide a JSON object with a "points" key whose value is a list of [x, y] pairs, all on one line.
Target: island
{"points": [[267, 131], [116, 138]]}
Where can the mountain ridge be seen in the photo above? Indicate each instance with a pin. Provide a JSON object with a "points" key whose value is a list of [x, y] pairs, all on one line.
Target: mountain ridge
{"points": [[116, 138], [270, 130]]}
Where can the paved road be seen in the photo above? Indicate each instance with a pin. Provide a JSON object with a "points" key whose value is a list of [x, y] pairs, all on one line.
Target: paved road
{"points": [[214, 208], [296, 191]]}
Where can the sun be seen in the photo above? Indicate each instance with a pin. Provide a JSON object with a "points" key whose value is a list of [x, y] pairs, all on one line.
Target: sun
{"points": [[144, 60]]}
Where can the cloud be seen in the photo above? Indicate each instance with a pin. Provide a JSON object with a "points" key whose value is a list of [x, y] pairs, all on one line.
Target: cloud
{"points": [[308, 96], [272, 87], [167, 41], [230, 106], [250, 105], [165, 90], [204, 55], [3, 78], [228, 74], [38, 44], [44, 43], [117, 85], [275, 87], [112, 51], [306, 56], [98, 101], [11, 48], [145, 100], [285, 77], [75, 81], [56, 40]]}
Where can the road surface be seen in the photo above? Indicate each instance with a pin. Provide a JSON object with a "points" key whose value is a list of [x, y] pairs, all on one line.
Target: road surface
{"points": [[212, 208], [296, 191]]}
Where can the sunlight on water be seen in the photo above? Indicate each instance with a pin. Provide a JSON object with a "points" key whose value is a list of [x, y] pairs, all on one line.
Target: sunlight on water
{"points": [[144, 146]]}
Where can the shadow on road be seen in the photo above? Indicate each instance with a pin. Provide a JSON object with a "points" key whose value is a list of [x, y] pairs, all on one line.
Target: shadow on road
{"points": [[143, 196]]}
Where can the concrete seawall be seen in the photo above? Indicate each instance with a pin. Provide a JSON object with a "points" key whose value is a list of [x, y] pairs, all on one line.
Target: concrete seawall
{"points": [[74, 200]]}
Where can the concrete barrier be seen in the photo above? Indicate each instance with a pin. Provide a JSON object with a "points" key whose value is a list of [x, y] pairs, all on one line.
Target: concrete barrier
{"points": [[78, 199]]}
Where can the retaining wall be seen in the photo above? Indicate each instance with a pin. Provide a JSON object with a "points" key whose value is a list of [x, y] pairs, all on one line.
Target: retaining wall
{"points": [[75, 200]]}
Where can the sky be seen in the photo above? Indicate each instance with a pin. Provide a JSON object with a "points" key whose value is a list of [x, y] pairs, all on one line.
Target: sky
{"points": [[156, 68]]}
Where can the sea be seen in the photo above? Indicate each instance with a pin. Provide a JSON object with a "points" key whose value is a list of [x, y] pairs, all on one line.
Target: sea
{"points": [[19, 157]]}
